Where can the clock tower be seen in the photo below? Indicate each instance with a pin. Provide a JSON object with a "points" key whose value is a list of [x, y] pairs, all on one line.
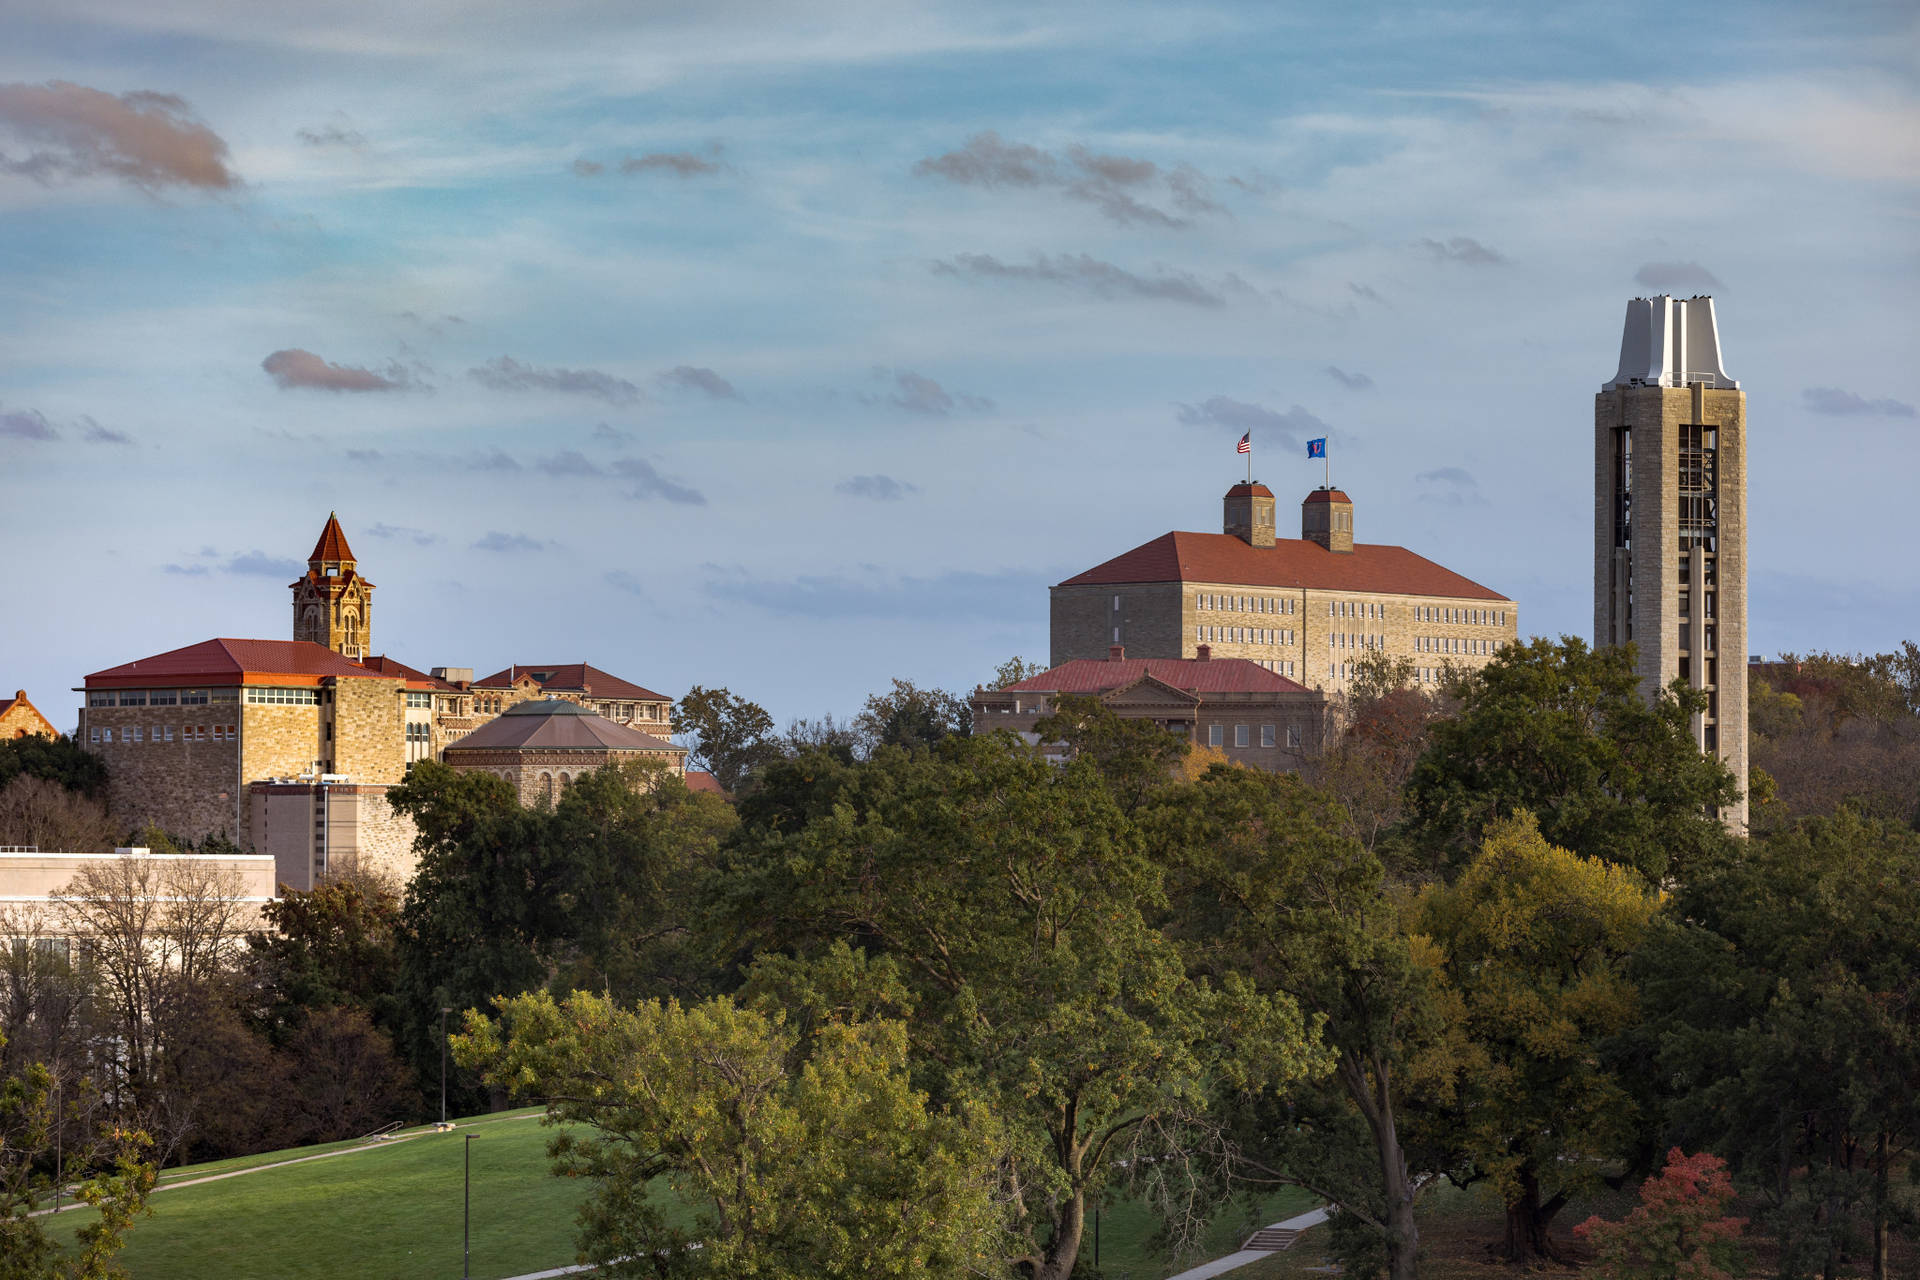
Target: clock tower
{"points": [[332, 603]]}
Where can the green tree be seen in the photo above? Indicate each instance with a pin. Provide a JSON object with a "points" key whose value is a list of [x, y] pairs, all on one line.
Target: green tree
{"points": [[1378, 733], [1780, 997], [1269, 888], [909, 716], [800, 1156], [1564, 733], [58, 760], [1535, 940], [331, 946], [111, 1161], [1014, 898], [1135, 757], [731, 737], [1014, 670]]}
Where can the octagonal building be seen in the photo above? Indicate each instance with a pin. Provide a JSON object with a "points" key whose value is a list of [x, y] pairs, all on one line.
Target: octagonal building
{"points": [[541, 747]]}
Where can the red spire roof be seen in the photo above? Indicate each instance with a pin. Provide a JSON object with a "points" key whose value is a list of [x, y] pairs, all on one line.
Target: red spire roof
{"points": [[332, 544]]}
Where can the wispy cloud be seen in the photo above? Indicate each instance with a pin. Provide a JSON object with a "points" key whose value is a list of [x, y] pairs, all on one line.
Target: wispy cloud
{"points": [[332, 135], [261, 565], [1289, 429], [151, 140], [688, 377], [295, 368], [876, 488], [1461, 249], [682, 164], [1845, 404], [1113, 184], [621, 580], [568, 462], [404, 533], [870, 593], [506, 542], [1450, 486], [917, 393], [649, 483], [608, 434], [26, 424], [1085, 273], [1351, 381], [1367, 292], [94, 433], [504, 373]]}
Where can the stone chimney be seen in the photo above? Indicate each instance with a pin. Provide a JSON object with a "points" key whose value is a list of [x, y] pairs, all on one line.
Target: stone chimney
{"points": [[1248, 514], [1204, 653], [1326, 517]]}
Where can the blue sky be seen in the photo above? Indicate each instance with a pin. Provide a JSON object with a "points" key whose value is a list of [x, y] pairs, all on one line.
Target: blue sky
{"points": [[793, 348]]}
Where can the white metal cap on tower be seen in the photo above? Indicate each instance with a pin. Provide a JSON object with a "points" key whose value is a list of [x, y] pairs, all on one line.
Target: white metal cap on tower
{"points": [[1670, 342]]}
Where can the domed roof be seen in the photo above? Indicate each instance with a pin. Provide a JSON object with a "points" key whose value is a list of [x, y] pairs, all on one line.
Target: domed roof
{"points": [[555, 724]]}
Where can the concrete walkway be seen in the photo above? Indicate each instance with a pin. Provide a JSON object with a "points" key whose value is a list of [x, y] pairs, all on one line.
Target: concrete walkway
{"points": [[1234, 1261]]}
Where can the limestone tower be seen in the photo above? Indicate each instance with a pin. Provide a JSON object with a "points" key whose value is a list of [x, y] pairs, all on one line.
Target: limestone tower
{"points": [[1670, 518], [333, 604]]}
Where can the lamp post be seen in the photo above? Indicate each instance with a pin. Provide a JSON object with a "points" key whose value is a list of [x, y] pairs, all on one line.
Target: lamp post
{"points": [[444, 1011], [466, 1218]]}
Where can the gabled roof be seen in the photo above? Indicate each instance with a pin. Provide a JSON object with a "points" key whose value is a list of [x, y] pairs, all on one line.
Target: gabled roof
{"points": [[1288, 563], [554, 724], [332, 544], [1191, 675], [227, 662], [698, 781], [571, 677]]}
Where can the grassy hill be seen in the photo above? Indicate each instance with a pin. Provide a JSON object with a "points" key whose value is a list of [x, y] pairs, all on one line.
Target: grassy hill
{"points": [[393, 1210]]}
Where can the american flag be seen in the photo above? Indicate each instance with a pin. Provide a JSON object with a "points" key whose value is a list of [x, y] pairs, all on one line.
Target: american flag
{"points": [[1246, 443]]}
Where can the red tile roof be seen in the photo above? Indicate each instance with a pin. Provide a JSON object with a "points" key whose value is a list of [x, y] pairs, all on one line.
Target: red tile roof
{"points": [[232, 662], [1290, 562], [333, 543], [1195, 675], [571, 677], [556, 725], [1254, 490], [697, 781], [1327, 495]]}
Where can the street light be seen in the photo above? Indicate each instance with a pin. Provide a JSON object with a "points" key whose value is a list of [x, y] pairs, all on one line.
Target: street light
{"points": [[445, 1009], [466, 1221]]}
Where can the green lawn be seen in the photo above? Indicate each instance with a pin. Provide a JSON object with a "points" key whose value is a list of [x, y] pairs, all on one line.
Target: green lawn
{"points": [[394, 1211]]}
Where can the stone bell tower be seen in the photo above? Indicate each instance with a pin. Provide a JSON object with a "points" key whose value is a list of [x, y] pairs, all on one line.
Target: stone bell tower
{"points": [[1670, 518], [332, 603]]}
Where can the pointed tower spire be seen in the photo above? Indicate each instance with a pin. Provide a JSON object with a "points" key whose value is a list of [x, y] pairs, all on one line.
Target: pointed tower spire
{"points": [[332, 549], [332, 603]]}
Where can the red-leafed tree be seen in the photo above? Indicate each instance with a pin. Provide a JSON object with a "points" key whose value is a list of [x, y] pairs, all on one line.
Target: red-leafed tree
{"points": [[1678, 1231]]}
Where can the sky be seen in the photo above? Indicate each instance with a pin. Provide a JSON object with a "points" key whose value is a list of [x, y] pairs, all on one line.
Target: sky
{"points": [[793, 348]]}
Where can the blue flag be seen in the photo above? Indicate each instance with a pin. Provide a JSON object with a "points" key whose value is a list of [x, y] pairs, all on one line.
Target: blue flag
{"points": [[1317, 448]]}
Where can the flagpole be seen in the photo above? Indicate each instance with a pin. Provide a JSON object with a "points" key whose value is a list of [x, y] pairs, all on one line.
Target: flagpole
{"points": [[1249, 459]]}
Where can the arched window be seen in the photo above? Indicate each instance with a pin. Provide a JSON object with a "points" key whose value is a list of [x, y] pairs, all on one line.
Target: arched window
{"points": [[546, 785]]}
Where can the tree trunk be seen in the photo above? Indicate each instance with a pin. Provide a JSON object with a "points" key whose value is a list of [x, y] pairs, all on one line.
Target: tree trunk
{"points": [[1880, 1207], [1403, 1234], [1064, 1249], [1527, 1241]]}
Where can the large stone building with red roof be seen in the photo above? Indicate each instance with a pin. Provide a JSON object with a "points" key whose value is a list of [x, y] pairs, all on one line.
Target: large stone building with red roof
{"points": [[1307, 608], [289, 746], [1252, 714]]}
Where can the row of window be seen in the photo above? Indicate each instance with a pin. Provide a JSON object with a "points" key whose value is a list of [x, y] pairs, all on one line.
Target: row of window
{"points": [[1243, 635], [419, 733], [1243, 736], [416, 699], [164, 733], [1280, 667], [159, 697], [1454, 644], [1460, 617], [1355, 640], [1213, 602], [284, 697]]}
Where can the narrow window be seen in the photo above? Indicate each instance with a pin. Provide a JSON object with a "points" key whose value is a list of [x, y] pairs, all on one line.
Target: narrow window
{"points": [[1216, 735], [1241, 736], [1266, 735]]}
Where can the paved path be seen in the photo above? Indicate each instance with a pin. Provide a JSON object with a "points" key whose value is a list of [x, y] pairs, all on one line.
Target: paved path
{"points": [[1234, 1261]]}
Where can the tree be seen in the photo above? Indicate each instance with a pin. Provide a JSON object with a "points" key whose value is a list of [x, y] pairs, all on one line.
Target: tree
{"points": [[58, 760], [592, 892], [116, 1179], [1535, 940], [1782, 1028], [1268, 887], [1840, 730], [731, 736], [44, 814], [1135, 757], [909, 716], [331, 946], [1014, 897], [1677, 1232], [1564, 733], [798, 1156], [1014, 670], [1379, 732]]}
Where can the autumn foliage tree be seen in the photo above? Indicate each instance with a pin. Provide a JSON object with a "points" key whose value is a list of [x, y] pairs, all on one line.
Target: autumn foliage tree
{"points": [[1679, 1230]]}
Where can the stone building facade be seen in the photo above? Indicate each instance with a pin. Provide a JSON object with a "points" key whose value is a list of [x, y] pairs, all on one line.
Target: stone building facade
{"points": [[542, 746], [313, 829], [1307, 608], [19, 718], [1670, 518], [1251, 714]]}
